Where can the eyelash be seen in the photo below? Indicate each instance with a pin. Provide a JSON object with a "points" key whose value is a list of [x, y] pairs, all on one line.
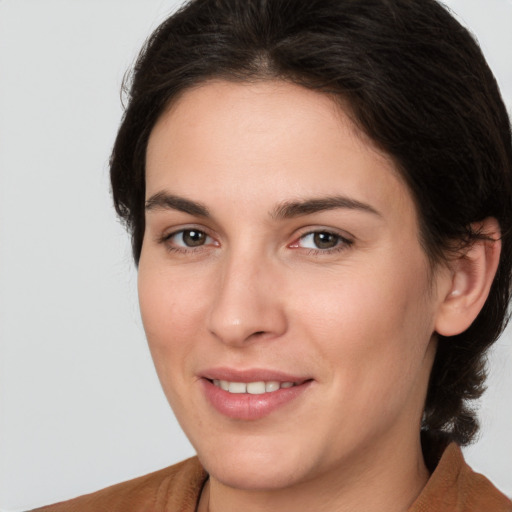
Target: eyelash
{"points": [[165, 239], [342, 243]]}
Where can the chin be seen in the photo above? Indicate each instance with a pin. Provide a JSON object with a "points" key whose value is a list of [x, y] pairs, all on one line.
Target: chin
{"points": [[253, 476], [256, 465]]}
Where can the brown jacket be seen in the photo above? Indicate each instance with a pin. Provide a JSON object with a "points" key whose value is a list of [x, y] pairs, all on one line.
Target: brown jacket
{"points": [[453, 487]]}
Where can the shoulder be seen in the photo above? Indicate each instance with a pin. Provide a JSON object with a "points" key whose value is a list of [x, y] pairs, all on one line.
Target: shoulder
{"points": [[174, 488], [455, 486]]}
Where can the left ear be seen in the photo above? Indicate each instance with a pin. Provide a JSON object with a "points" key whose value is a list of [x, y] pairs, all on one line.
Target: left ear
{"points": [[472, 274]]}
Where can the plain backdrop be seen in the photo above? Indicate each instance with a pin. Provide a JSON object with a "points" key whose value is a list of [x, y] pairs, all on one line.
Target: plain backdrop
{"points": [[80, 405]]}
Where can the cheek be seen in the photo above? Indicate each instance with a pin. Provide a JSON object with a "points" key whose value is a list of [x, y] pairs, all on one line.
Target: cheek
{"points": [[373, 327], [374, 340], [172, 305]]}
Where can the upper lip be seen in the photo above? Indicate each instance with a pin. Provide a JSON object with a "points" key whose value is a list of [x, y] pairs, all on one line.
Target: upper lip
{"points": [[251, 375]]}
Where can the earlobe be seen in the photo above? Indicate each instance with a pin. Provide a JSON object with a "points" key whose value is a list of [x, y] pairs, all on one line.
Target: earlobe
{"points": [[472, 274]]}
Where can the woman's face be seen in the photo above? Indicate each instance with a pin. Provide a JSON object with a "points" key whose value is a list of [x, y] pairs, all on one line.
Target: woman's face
{"points": [[281, 247]]}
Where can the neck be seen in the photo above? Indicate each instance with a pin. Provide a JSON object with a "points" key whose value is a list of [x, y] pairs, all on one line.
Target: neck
{"points": [[385, 481]]}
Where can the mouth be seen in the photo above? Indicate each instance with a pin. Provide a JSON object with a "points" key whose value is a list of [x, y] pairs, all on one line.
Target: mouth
{"points": [[239, 396]]}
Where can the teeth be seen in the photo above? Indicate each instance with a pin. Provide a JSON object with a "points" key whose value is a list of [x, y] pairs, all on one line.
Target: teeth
{"points": [[253, 388], [273, 385], [256, 388], [237, 387]]}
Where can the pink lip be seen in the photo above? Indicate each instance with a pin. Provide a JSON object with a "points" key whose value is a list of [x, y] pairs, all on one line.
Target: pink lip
{"points": [[245, 406]]}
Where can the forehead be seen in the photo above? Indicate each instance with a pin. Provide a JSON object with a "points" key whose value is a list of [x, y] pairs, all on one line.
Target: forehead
{"points": [[266, 139]]}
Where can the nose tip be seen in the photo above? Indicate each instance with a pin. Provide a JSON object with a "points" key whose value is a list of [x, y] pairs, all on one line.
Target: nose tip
{"points": [[236, 331], [244, 329]]}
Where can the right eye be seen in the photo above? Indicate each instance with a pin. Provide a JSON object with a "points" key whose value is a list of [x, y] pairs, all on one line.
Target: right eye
{"points": [[187, 239]]}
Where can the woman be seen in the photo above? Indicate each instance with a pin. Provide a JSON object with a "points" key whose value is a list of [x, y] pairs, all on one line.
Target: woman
{"points": [[319, 197]]}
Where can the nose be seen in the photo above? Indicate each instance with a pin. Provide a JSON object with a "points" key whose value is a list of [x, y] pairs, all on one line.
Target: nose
{"points": [[247, 305]]}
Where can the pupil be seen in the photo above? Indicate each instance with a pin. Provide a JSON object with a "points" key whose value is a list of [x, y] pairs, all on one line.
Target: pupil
{"points": [[193, 238], [325, 240]]}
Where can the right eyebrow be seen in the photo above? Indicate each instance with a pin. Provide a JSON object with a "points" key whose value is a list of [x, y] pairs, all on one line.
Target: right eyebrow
{"points": [[165, 201]]}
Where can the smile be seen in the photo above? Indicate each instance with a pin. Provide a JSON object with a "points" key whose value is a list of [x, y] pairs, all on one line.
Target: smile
{"points": [[253, 388], [252, 395]]}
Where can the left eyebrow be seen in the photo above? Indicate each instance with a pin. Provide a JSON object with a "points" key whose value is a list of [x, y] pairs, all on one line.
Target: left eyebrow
{"points": [[292, 209]]}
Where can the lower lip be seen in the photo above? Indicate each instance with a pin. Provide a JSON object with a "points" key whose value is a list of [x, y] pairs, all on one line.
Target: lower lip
{"points": [[244, 406]]}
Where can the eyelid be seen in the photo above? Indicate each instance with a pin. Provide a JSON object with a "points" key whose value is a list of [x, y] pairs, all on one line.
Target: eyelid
{"points": [[345, 240], [165, 238], [311, 230]]}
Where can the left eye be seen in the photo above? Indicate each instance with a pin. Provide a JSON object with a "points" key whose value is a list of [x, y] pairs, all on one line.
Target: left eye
{"points": [[320, 240]]}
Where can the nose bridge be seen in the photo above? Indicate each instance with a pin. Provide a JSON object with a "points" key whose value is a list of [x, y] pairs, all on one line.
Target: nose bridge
{"points": [[246, 305]]}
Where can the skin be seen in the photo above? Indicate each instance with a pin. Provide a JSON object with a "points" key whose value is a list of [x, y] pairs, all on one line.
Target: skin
{"points": [[358, 318]]}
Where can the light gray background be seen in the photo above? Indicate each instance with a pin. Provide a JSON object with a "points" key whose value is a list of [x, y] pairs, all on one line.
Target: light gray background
{"points": [[80, 405]]}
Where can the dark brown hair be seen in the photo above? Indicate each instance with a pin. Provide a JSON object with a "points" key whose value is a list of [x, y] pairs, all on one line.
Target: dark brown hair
{"points": [[416, 83]]}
